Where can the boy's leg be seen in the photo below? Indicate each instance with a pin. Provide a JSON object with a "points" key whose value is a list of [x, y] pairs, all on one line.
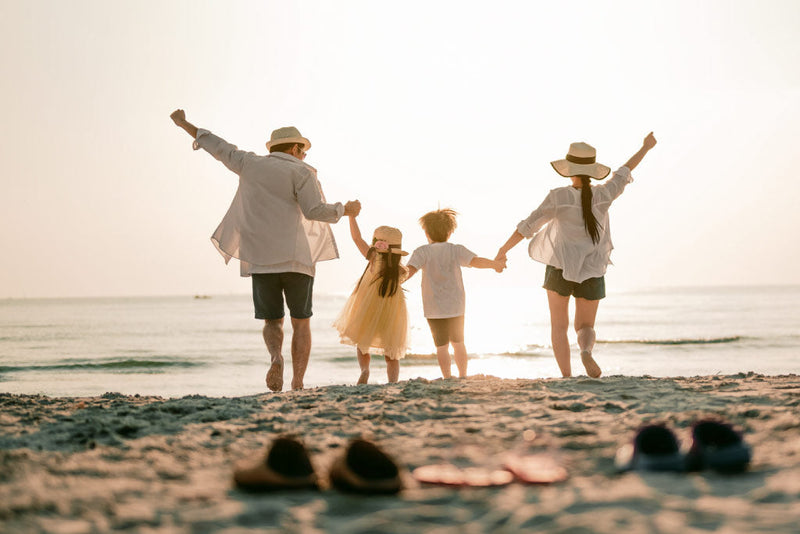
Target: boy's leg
{"points": [[392, 369], [559, 324], [585, 314], [443, 355], [460, 356], [363, 363]]}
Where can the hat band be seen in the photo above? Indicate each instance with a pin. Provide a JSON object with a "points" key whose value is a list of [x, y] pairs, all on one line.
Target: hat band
{"points": [[580, 161]]}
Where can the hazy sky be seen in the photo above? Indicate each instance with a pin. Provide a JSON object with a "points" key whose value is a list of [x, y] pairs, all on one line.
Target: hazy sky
{"points": [[410, 106]]}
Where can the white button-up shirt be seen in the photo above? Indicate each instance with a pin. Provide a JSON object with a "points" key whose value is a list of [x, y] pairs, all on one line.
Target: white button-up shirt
{"points": [[442, 284], [278, 220], [565, 243]]}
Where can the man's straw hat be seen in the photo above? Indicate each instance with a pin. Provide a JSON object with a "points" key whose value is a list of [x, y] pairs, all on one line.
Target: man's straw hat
{"points": [[286, 135]]}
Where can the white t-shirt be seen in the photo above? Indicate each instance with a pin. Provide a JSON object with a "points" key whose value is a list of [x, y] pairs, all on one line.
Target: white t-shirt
{"points": [[442, 285]]}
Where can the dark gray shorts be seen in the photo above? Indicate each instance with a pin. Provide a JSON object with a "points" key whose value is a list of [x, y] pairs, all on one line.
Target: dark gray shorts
{"points": [[270, 288], [446, 331], [591, 289]]}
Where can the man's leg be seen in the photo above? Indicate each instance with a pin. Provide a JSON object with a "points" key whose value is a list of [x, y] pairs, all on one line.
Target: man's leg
{"points": [[301, 349], [559, 324], [273, 338], [585, 314]]}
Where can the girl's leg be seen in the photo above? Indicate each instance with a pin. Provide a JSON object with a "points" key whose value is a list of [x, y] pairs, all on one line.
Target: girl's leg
{"points": [[443, 355], [363, 363], [392, 369], [585, 314], [559, 324], [460, 356]]}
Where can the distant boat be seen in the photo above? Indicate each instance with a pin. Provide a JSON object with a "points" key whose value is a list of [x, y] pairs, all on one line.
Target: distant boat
{"points": [[202, 296]]}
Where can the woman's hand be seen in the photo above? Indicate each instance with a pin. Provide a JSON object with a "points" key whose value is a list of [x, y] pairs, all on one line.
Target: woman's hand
{"points": [[649, 141]]}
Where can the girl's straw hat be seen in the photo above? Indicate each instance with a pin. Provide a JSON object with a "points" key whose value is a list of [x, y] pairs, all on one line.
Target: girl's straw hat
{"points": [[388, 239], [286, 135], [580, 160]]}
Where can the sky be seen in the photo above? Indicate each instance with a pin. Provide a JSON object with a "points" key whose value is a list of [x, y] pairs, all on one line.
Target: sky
{"points": [[410, 106]]}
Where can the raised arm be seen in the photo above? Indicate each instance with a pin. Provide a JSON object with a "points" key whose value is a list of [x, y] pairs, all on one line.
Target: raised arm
{"points": [[179, 118], [649, 142], [355, 233]]}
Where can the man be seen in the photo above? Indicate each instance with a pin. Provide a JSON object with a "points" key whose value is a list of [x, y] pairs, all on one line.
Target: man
{"points": [[277, 227]]}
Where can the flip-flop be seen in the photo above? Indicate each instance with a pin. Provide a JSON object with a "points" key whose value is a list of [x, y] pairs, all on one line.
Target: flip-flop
{"points": [[364, 468], [655, 448], [451, 475], [275, 377], [716, 445], [286, 466], [535, 468]]}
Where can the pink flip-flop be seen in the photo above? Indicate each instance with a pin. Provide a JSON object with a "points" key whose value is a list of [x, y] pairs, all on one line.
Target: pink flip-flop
{"points": [[451, 475]]}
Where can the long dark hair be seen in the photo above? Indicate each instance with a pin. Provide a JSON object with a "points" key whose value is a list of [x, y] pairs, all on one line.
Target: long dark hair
{"points": [[589, 220], [389, 277]]}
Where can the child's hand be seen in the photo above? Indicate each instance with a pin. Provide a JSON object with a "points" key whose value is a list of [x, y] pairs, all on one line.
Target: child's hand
{"points": [[500, 265]]}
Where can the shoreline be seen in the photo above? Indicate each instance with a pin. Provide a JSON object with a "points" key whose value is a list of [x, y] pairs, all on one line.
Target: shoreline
{"points": [[128, 463]]}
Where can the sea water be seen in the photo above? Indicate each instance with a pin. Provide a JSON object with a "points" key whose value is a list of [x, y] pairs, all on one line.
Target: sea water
{"points": [[176, 346]]}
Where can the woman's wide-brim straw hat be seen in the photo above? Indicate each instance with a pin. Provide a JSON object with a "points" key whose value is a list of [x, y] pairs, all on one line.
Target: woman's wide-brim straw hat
{"points": [[580, 161], [388, 239], [287, 135]]}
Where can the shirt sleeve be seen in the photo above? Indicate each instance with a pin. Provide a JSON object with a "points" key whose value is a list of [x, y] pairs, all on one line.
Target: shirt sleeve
{"points": [[538, 217], [225, 152], [616, 184], [465, 255], [312, 201], [417, 259]]}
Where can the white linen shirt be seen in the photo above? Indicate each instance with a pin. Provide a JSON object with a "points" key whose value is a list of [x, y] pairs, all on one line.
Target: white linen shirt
{"points": [[442, 286], [278, 220], [564, 243]]}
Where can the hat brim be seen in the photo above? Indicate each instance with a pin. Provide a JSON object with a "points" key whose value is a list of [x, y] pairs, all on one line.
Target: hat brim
{"points": [[289, 140], [566, 168]]}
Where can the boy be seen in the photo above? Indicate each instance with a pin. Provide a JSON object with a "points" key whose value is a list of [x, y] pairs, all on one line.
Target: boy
{"points": [[443, 298]]}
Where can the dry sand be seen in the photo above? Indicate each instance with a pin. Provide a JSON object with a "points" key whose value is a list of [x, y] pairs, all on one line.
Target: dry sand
{"points": [[147, 464]]}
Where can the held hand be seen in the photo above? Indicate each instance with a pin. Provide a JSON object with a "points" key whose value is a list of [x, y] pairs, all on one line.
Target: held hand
{"points": [[352, 208], [649, 141], [178, 117], [501, 256], [501, 265]]}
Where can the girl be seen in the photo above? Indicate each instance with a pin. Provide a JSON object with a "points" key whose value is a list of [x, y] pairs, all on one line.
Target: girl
{"points": [[575, 245], [375, 315]]}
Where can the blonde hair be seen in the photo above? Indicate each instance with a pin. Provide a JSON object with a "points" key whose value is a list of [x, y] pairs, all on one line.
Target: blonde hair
{"points": [[439, 224]]}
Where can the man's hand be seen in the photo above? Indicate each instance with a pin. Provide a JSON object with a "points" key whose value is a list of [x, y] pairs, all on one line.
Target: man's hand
{"points": [[178, 117], [352, 208]]}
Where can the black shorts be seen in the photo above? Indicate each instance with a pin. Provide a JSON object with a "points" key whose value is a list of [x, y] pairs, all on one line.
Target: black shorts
{"points": [[270, 288], [446, 331], [591, 289]]}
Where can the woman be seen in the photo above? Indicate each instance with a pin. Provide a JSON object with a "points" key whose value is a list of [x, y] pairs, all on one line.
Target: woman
{"points": [[575, 245]]}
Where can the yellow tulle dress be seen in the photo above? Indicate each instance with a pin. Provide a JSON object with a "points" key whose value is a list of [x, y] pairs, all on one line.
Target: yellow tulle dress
{"points": [[375, 324]]}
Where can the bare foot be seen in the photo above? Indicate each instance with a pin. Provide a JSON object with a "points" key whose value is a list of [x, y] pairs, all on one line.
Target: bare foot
{"points": [[364, 377], [275, 376], [592, 369]]}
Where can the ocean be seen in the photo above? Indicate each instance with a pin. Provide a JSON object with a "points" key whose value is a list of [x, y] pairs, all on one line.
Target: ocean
{"points": [[183, 345]]}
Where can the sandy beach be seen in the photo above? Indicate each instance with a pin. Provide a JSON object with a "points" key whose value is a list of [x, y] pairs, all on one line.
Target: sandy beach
{"points": [[148, 464]]}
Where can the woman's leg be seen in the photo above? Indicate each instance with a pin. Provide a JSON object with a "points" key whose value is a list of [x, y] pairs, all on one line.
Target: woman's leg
{"points": [[559, 325], [363, 363], [585, 314], [392, 369]]}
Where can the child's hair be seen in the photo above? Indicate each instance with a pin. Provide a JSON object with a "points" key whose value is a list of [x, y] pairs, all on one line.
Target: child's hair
{"points": [[589, 220], [439, 224], [386, 243]]}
